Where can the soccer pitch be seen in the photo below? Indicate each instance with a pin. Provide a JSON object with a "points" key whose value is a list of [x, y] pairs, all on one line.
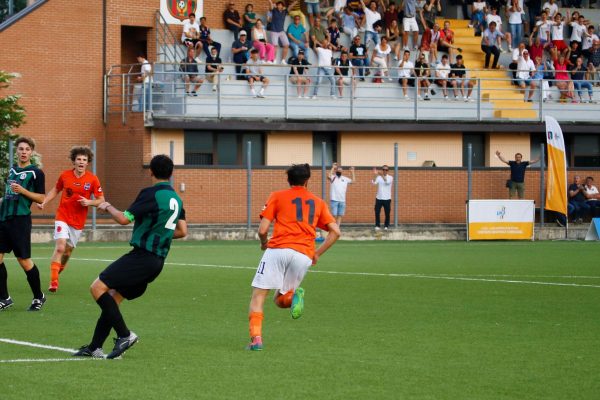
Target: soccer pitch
{"points": [[383, 320]]}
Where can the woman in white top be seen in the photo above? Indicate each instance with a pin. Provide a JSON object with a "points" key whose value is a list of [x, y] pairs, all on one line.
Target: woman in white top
{"points": [[381, 55], [515, 22], [266, 51], [478, 10]]}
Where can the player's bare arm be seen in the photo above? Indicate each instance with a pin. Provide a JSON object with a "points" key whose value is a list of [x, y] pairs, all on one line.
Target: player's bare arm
{"points": [[89, 202], [49, 197], [117, 215], [333, 235], [180, 229], [36, 197], [263, 232]]}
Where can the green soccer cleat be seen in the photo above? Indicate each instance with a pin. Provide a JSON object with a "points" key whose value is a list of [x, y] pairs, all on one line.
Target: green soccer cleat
{"points": [[298, 303], [255, 344]]}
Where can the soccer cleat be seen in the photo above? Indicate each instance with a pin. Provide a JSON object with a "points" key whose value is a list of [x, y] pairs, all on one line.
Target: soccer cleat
{"points": [[6, 303], [255, 344], [122, 344], [297, 303], [53, 286], [85, 351], [36, 304]]}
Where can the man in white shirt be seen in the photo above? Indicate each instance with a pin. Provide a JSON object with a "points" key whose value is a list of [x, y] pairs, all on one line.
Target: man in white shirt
{"points": [[339, 186], [383, 197], [324, 55], [551, 7], [442, 73], [190, 37], [525, 70], [592, 196], [254, 73], [371, 16], [578, 30], [145, 78], [542, 27], [494, 17], [406, 73]]}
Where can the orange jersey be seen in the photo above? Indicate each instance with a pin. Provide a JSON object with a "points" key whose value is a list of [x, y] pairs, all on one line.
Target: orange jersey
{"points": [[70, 211], [297, 213]]}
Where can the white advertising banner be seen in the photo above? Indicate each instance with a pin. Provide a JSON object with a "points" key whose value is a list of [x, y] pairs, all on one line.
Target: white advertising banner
{"points": [[176, 11], [500, 219]]}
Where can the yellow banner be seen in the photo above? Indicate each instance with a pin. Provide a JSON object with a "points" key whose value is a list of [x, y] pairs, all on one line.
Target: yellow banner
{"points": [[556, 184], [500, 230]]}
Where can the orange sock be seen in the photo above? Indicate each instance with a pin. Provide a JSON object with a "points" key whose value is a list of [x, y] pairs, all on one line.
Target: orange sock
{"points": [[54, 271], [285, 300], [62, 267], [255, 319]]}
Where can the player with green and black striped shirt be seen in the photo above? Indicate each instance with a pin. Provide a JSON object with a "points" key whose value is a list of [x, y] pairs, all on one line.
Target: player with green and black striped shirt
{"points": [[25, 185], [158, 217]]}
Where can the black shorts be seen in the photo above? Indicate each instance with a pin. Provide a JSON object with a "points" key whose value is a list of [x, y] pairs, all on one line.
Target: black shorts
{"points": [[258, 78], [131, 274], [15, 236], [192, 42], [409, 81]]}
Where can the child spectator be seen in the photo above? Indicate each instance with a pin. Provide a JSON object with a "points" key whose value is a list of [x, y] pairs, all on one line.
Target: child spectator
{"points": [[442, 73], [334, 35], [422, 74], [206, 40], [190, 37], [254, 73], [461, 81], [297, 77]]}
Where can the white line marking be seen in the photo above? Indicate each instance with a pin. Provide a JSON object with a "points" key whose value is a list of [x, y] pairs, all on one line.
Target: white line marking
{"points": [[416, 276], [37, 345], [27, 360]]}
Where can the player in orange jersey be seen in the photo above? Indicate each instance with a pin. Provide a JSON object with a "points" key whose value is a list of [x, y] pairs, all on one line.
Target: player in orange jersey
{"points": [[291, 250], [77, 186]]}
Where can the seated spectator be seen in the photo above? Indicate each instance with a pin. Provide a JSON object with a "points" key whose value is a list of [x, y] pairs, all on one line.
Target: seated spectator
{"points": [[592, 196], [298, 37], [551, 8], [561, 76], [240, 49], [542, 29], [578, 75], [359, 57], [594, 63], [489, 42], [266, 50], [189, 69], [516, 54], [535, 47], [540, 78], [557, 34], [334, 35], [394, 36], [577, 200], [213, 68], [458, 73], [297, 77], [324, 55], [206, 40], [478, 11], [442, 74], [589, 37], [409, 23], [422, 75], [406, 73], [190, 37], [494, 17], [249, 18], [381, 57], [371, 17], [343, 73], [317, 33], [254, 73], [429, 41], [573, 53], [278, 35], [431, 10], [350, 22], [525, 72], [232, 20], [295, 9], [446, 41]]}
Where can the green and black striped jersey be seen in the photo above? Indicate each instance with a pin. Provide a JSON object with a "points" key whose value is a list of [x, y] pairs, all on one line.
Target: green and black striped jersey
{"points": [[13, 204], [155, 211]]}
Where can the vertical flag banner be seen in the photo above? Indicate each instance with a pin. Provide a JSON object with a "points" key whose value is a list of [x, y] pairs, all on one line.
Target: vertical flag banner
{"points": [[556, 184]]}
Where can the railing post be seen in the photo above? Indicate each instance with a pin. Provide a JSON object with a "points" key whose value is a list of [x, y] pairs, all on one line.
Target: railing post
{"points": [[469, 170], [416, 103], [105, 99], [542, 184], [144, 105], [323, 172], [218, 96], [285, 97], [351, 95], [396, 176], [478, 99], [541, 101], [124, 104], [249, 185], [94, 171]]}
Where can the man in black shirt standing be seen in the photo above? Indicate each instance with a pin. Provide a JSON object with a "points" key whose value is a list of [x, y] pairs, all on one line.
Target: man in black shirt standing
{"points": [[517, 174]]}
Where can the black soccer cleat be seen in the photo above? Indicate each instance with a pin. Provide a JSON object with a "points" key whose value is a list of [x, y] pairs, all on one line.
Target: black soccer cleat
{"points": [[85, 351], [36, 304], [6, 303], [122, 344]]}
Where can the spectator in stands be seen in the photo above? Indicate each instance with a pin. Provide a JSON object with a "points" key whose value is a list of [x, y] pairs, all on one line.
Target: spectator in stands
{"points": [[557, 34], [232, 20], [350, 22], [543, 28], [297, 77], [383, 197], [336, 11], [551, 8], [430, 12], [442, 74], [461, 80], [536, 48], [324, 55], [478, 11], [578, 75], [422, 74], [592, 196], [295, 9], [266, 50], [406, 73], [494, 17], [146, 79], [381, 57], [249, 18], [334, 35], [213, 68], [278, 34], [562, 80], [429, 41], [190, 36], [371, 16], [313, 10], [190, 72], [489, 45], [594, 62], [578, 29], [516, 54], [589, 37], [409, 23], [540, 78], [446, 42], [577, 199], [297, 35], [525, 72], [344, 74], [317, 33], [206, 40], [240, 49], [517, 174], [254, 73], [394, 38], [573, 54], [359, 57], [390, 15], [515, 21], [339, 186]]}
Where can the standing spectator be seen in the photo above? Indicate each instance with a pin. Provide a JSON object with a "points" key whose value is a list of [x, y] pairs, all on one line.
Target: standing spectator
{"points": [[431, 10], [478, 9], [278, 34], [422, 74], [383, 197], [494, 17], [409, 23], [189, 69], [489, 45], [266, 50], [190, 36], [249, 18], [406, 73], [536, 49], [525, 72], [359, 57], [594, 62], [339, 186], [551, 8], [543, 28], [349, 22], [297, 77], [578, 29], [391, 14], [146, 79], [206, 40], [557, 34], [446, 42], [312, 9], [592, 196], [254, 73], [317, 33], [460, 80], [239, 49], [394, 38], [429, 41], [577, 199], [324, 55], [442, 74], [371, 17], [589, 37], [232, 20], [213, 68], [381, 57], [517, 174], [334, 35], [578, 75], [336, 11], [298, 37], [343, 73], [515, 21]]}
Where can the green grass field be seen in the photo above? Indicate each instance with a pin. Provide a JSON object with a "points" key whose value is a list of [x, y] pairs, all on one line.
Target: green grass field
{"points": [[383, 320]]}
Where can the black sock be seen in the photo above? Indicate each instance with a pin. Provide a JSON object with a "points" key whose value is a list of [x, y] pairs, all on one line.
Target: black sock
{"points": [[101, 332], [3, 282], [33, 277], [113, 314]]}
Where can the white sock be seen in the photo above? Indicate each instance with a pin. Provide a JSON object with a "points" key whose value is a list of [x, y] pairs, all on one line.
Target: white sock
{"points": [[253, 92], [262, 91]]}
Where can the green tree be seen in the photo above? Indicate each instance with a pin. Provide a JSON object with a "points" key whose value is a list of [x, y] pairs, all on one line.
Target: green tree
{"points": [[12, 115]]}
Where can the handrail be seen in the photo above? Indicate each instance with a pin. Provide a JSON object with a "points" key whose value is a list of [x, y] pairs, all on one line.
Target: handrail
{"points": [[168, 38], [20, 14]]}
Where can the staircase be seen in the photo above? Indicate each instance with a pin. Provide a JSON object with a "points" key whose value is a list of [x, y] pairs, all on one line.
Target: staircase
{"points": [[507, 101]]}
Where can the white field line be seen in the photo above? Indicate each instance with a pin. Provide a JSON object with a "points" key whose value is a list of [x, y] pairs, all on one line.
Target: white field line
{"points": [[37, 345], [479, 278], [44, 360]]}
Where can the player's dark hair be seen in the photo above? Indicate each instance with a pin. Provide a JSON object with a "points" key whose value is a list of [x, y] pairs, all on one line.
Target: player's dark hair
{"points": [[298, 174], [25, 139], [161, 166], [590, 178], [81, 151]]}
